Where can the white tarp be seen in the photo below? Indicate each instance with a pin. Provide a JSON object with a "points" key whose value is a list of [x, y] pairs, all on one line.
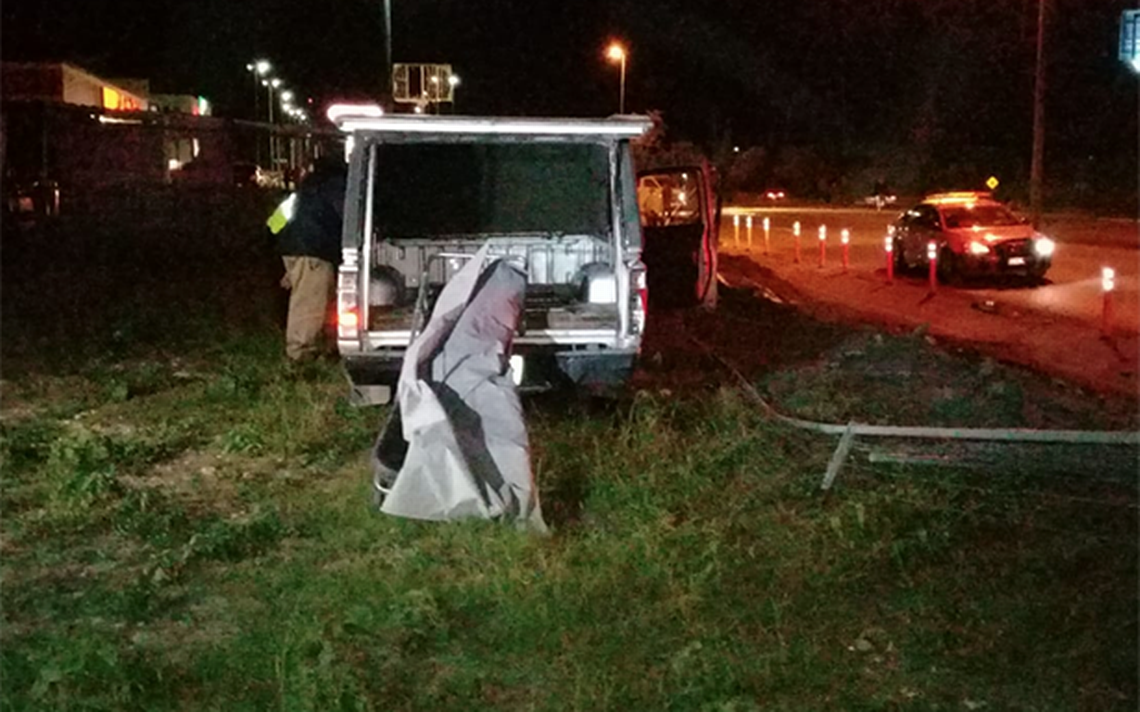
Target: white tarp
{"points": [[458, 440]]}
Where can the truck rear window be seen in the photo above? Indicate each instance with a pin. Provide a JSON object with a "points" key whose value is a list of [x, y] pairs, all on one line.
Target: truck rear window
{"points": [[477, 189]]}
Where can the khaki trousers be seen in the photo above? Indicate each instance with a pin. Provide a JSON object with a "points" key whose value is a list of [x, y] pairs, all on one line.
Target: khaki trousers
{"points": [[312, 284]]}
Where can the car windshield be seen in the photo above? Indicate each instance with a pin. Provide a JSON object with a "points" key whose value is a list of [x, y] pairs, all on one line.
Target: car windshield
{"points": [[974, 215], [425, 190]]}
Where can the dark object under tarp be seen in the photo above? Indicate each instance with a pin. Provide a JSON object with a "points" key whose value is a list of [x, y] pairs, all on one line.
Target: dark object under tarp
{"points": [[456, 444]]}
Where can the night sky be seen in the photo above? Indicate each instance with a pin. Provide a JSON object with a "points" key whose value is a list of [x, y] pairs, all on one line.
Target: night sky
{"points": [[843, 75]]}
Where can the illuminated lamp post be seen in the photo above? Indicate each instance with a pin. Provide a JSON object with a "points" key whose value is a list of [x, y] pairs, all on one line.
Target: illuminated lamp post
{"points": [[271, 84], [258, 68], [616, 53]]}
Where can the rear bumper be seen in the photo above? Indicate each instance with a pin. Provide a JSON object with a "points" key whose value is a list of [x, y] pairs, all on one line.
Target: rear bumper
{"points": [[590, 368]]}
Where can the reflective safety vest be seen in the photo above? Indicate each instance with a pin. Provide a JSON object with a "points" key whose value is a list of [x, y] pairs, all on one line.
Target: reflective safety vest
{"points": [[282, 215]]}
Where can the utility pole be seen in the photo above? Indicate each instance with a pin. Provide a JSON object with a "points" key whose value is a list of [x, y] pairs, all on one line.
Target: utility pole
{"points": [[1036, 169], [386, 94]]}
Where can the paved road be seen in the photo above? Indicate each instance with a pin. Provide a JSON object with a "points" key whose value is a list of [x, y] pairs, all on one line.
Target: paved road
{"points": [[1073, 284], [1054, 327]]}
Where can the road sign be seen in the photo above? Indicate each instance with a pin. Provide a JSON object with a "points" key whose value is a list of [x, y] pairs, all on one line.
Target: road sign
{"points": [[992, 182]]}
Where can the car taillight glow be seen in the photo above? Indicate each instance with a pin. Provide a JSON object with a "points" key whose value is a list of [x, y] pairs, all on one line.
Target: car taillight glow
{"points": [[977, 248], [639, 299], [1044, 246], [347, 314]]}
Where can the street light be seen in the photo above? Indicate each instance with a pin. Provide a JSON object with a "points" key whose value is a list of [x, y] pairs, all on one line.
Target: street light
{"points": [[616, 53], [270, 85], [258, 68]]}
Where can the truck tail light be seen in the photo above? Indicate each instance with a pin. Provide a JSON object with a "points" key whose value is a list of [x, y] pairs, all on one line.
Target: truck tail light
{"points": [[347, 312], [348, 320], [638, 297]]}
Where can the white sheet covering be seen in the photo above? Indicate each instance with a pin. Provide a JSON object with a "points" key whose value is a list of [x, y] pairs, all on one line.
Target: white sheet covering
{"points": [[467, 452]]}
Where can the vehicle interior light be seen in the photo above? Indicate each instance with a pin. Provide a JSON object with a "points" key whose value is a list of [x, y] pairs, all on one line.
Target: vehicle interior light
{"points": [[516, 367], [602, 289], [977, 248]]}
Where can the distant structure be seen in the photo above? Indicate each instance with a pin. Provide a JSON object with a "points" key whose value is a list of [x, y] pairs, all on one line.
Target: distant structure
{"points": [[64, 83], [70, 139]]}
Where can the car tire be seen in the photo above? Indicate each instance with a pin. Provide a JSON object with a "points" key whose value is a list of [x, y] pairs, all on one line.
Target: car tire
{"points": [[901, 267], [1036, 276], [948, 268]]}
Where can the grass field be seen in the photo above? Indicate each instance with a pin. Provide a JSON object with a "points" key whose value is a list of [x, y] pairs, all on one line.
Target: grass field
{"points": [[186, 526]]}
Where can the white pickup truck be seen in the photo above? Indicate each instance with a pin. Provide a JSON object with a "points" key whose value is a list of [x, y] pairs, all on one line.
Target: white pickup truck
{"points": [[556, 195]]}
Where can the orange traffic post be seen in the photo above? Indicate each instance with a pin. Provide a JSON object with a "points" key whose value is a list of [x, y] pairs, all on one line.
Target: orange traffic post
{"points": [[748, 224], [796, 232], [736, 230], [1107, 284], [932, 258], [822, 245], [889, 248], [767, 230], [845, 238]]}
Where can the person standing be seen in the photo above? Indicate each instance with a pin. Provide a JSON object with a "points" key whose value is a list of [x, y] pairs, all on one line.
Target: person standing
{"points": [[309, 245]]}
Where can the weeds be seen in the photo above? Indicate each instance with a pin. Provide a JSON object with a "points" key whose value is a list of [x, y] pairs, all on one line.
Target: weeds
{"points": [[206, 542]]}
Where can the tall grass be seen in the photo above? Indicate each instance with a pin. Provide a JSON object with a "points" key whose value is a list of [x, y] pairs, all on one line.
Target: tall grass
{"points": [[186, 524], [693, 566]]}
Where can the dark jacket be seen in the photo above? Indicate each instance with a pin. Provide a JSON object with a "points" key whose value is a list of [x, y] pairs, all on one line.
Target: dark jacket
{"points": [[318, 215]]}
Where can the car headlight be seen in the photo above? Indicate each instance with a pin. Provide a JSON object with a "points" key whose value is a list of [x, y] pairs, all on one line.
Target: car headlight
{"points": [[977, 248], [1044, 246]]}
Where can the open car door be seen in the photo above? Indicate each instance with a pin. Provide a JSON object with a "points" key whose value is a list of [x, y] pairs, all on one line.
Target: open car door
{"points": [[679, 220]]}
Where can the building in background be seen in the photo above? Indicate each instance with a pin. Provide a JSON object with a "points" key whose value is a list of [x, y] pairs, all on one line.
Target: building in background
{"points": [[180, 104], [64, 83], [69, 138]]}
